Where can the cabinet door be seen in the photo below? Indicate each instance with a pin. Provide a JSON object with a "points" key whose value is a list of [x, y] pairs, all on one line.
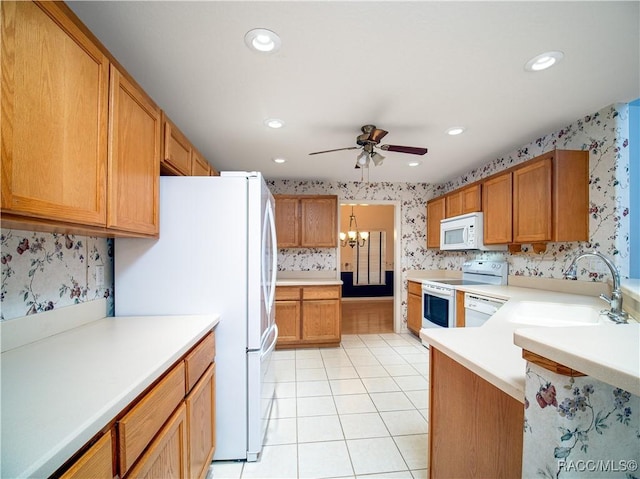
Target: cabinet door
{"points": [[435, 213], [167, 454], [54, 116], [201, 409], [319, 222], [199, 166], [321, 320], [532, 202], [96, 463], [414, 313], [287, 222], [497, 209], [288, 321], [134, 158], [471, 199], [177, 150], [453, 204]]}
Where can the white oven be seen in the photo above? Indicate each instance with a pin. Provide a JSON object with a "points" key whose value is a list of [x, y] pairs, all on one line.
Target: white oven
{"points": [[438, 305]]}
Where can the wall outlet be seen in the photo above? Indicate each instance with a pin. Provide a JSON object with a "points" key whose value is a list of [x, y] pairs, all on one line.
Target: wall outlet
{"points": [[99, 276]]}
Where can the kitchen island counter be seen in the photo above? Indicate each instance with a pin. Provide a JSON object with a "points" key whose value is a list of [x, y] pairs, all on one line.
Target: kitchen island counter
{"points": [[58, 392]]}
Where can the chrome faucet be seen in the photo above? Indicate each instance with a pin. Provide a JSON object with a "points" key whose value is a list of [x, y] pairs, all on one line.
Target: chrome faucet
{"points": [[616, 314]]}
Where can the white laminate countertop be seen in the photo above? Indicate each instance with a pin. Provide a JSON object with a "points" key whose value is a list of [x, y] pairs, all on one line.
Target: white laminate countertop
{"points": [[490, 351], [308, 282], [58, 392]]}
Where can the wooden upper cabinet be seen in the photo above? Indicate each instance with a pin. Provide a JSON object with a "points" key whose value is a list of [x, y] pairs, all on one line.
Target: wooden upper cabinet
{"points": [[463, 201], [570, 190], [287, 222], [54, 116], [435, 213], [319, 222], [134, 158], [176, 156], [199, 166], [307, 221], [532, 202], [497, 207]]}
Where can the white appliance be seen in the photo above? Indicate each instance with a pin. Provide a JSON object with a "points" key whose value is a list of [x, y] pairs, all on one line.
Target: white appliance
{"points": [[216, 254], [465, 232], [438, 296], [478, 309]]}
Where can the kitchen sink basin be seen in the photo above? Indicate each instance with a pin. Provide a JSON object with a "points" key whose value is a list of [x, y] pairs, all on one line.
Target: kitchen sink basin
{"points": [[534, 313]]}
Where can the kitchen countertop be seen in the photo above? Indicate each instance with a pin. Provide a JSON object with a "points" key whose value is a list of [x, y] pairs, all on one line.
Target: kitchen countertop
{"points": [[490, 351], [308, 282], [60, 391]]}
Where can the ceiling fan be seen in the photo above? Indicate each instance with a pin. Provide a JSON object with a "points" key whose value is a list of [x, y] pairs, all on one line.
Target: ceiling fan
{"points": [[369, 140]]}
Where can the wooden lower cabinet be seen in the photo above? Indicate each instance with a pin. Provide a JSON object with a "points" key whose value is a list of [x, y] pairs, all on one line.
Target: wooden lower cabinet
{"points": [[167, 454], [308, 316], [414, 307], [201, 412], [475, 429], [96, 463]]}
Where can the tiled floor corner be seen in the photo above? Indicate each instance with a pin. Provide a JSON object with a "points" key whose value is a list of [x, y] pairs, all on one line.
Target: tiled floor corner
{"points": [[356, 411]]}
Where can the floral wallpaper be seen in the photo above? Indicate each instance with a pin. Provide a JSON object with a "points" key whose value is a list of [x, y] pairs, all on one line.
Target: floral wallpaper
{"points": [[43, 271], [571, 424]]}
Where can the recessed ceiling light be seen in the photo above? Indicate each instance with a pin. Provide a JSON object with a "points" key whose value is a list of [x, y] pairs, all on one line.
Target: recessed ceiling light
{"points": [[414, 163], [543, 61], [279, 160], [274, 123], [262, 40], [455, 130]]}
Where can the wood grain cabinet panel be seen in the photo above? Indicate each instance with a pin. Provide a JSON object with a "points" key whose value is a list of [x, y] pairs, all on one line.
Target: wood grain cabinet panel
{"points": [[287, 219], [167, 454], [96, 463], [532, 202], [199, 166], [319, 222], [288, 320], [139, 426], [201, 424], [414, 307], [134, 158], [54, 116], [497, 208], [475, 429], [198, 360], [435, 213], [176, 156], [321, 320]]}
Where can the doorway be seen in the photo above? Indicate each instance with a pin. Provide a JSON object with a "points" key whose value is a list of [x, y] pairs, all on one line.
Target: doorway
{"points": [[368, 264]]}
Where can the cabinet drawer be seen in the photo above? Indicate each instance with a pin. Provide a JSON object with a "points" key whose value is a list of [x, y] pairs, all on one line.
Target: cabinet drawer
{"points": [[95, 463], [321, 292], [287, 293], [415, 288], [140, 425], [198, 360]]}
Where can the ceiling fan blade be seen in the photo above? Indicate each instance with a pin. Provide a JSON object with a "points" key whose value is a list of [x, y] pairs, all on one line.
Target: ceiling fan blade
{"points": [[336, 149], [404, 149]]}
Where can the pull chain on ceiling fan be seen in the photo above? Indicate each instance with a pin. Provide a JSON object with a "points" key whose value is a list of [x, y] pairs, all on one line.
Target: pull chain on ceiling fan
{"points": [[368, 141]]}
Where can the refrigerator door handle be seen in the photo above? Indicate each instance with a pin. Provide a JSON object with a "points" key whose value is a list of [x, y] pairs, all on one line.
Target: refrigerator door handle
{"points": [[274, 258], [272, 346]]}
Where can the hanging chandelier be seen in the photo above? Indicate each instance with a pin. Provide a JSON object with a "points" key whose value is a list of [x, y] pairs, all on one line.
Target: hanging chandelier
{"points": [[353, 236]]}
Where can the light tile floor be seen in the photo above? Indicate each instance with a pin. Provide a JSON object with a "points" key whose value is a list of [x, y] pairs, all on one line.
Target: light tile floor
{"points": [[356, 411]]}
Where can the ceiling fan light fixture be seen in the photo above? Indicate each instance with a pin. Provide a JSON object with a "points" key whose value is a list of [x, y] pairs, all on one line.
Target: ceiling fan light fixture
{"points": [[377, 158], [455, 130], [262, 40], [543, 61], [363, 159]]}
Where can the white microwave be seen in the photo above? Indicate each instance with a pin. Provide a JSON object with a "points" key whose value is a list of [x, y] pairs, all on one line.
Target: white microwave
{"points": [[465, 232]]}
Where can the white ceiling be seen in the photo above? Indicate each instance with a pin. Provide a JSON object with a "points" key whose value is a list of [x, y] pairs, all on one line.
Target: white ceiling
{"points": [[412, 68]]}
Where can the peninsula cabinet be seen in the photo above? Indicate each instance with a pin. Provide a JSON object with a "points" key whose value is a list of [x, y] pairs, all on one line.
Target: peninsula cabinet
{"points": [[308, 316], [306, 221], [435, 213], [414, 307], [80, 140], [475, 429]]}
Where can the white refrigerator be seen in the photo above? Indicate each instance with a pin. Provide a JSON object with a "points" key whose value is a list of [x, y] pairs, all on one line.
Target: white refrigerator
{"points": [[216, 254]]}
